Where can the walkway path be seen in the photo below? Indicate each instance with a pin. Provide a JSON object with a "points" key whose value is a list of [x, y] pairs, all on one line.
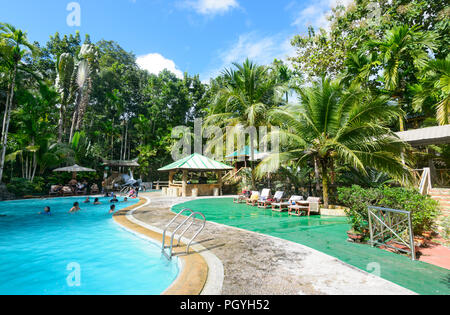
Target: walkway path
{"points": [[259, 264]]}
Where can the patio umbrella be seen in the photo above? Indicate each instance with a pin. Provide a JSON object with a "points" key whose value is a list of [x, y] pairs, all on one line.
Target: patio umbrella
{"points": [[75, 169]]}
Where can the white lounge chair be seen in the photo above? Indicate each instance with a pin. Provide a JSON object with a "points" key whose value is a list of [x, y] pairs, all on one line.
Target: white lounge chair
{"points": [[251, 201], [278, 197], [311, 204], [265, 194], [283, 206]]}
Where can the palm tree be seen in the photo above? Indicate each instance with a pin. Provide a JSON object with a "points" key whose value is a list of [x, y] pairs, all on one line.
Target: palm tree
{"points": [[358, 68], [435, 86], [65, 66], [85, 69], [284, 76], [332, 126], [400, 47], [18, 45], [244, 97]]}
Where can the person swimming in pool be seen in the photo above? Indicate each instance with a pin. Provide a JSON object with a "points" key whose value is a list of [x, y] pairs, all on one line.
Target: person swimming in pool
{"points": [[87, 200], [125, 199], [46, 211], [97, 202], [112, 209], [114, 199], [75, 208]]}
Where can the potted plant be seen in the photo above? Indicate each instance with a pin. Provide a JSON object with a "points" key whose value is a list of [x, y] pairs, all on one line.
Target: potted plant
{"points": [[355, 236]]}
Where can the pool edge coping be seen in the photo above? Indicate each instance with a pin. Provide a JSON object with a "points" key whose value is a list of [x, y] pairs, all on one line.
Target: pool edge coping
{"points": [[200, 273]]}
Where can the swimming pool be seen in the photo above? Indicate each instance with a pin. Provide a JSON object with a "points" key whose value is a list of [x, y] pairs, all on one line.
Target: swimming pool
{"points": [[327, 235], [76, 254]]}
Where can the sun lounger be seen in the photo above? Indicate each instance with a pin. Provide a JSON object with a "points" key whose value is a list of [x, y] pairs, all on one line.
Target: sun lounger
{"points": [[278, 197], [265, 194], [283, 206], [311, 204], [55, 190], [94, 189], [241, 198], [253, 198], [67, 191]]}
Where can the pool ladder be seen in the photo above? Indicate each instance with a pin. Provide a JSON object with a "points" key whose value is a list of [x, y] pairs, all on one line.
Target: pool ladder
{"points": [[191, 218]]}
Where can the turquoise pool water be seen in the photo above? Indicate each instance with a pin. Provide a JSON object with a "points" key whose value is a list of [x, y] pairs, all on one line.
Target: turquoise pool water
{"points": [[328, 235], [76, 254]]}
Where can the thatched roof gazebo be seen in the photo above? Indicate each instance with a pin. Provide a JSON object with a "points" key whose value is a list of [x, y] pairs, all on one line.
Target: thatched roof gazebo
{"points": [[199, 164], [74, 169]]}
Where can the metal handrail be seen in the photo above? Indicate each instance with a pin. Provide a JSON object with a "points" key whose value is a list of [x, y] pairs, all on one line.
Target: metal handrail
{"points": [[191, 217], [198, 232], [170, 223]]}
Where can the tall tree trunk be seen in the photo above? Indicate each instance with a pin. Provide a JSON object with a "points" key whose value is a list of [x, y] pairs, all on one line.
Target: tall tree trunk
{"points": [[34, 166], [325, 184], [61, 123], [126, 141], [6, 123], [317, 175], [5, 114], [26, 167], [401, 120], [75, 116], [112, 140], [84, 103]]}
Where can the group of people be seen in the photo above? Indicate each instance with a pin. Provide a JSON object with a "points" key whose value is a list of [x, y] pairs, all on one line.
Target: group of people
{"points": [[76, 205], [73, 187]]}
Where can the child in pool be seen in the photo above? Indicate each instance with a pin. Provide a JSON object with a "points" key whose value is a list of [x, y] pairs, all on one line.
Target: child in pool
{"points": [[97, 202], [75, 208], [87, 200], [125, 199], [112, 209], [46, 211]]}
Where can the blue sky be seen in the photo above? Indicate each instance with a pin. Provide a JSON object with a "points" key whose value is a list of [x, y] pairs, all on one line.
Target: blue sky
{"points": [[197, 36]]}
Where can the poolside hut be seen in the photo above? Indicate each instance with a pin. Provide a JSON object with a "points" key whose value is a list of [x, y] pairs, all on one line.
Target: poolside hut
{"points": [[196, 163], [243, 157]]}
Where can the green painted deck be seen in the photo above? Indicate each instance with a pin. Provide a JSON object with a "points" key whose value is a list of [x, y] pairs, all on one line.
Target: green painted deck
{"points": [[327, 235]]}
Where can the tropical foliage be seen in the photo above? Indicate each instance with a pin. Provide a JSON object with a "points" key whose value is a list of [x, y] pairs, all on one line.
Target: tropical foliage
{"points": [[334, 126], [380, 67], [423, 209]]}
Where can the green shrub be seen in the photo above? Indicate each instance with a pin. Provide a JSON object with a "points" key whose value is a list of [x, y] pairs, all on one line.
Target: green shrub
{"points": [[423, 209], [23, 187], [20, 187], [357, 200]]}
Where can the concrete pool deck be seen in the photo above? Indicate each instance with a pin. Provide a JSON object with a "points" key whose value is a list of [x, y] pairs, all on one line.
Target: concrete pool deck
{"points": [[257, 264]]}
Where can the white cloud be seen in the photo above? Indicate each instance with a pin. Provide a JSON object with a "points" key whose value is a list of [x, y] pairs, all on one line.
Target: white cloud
{"points": [[317, 13], [212, 7], [155, 63], [260, 49]]}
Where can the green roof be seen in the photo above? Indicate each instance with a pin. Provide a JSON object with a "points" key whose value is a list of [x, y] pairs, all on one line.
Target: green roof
{"points": [[196, 162], [246, 151]]}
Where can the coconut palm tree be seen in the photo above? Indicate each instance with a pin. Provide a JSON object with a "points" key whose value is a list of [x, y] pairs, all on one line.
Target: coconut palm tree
{"points": [[332, 126], [244, 97], [14, 47], [435, 86], [402, 46]]}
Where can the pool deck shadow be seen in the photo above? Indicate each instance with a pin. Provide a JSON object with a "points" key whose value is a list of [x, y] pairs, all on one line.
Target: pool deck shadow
{"points": [[258, 264]]}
